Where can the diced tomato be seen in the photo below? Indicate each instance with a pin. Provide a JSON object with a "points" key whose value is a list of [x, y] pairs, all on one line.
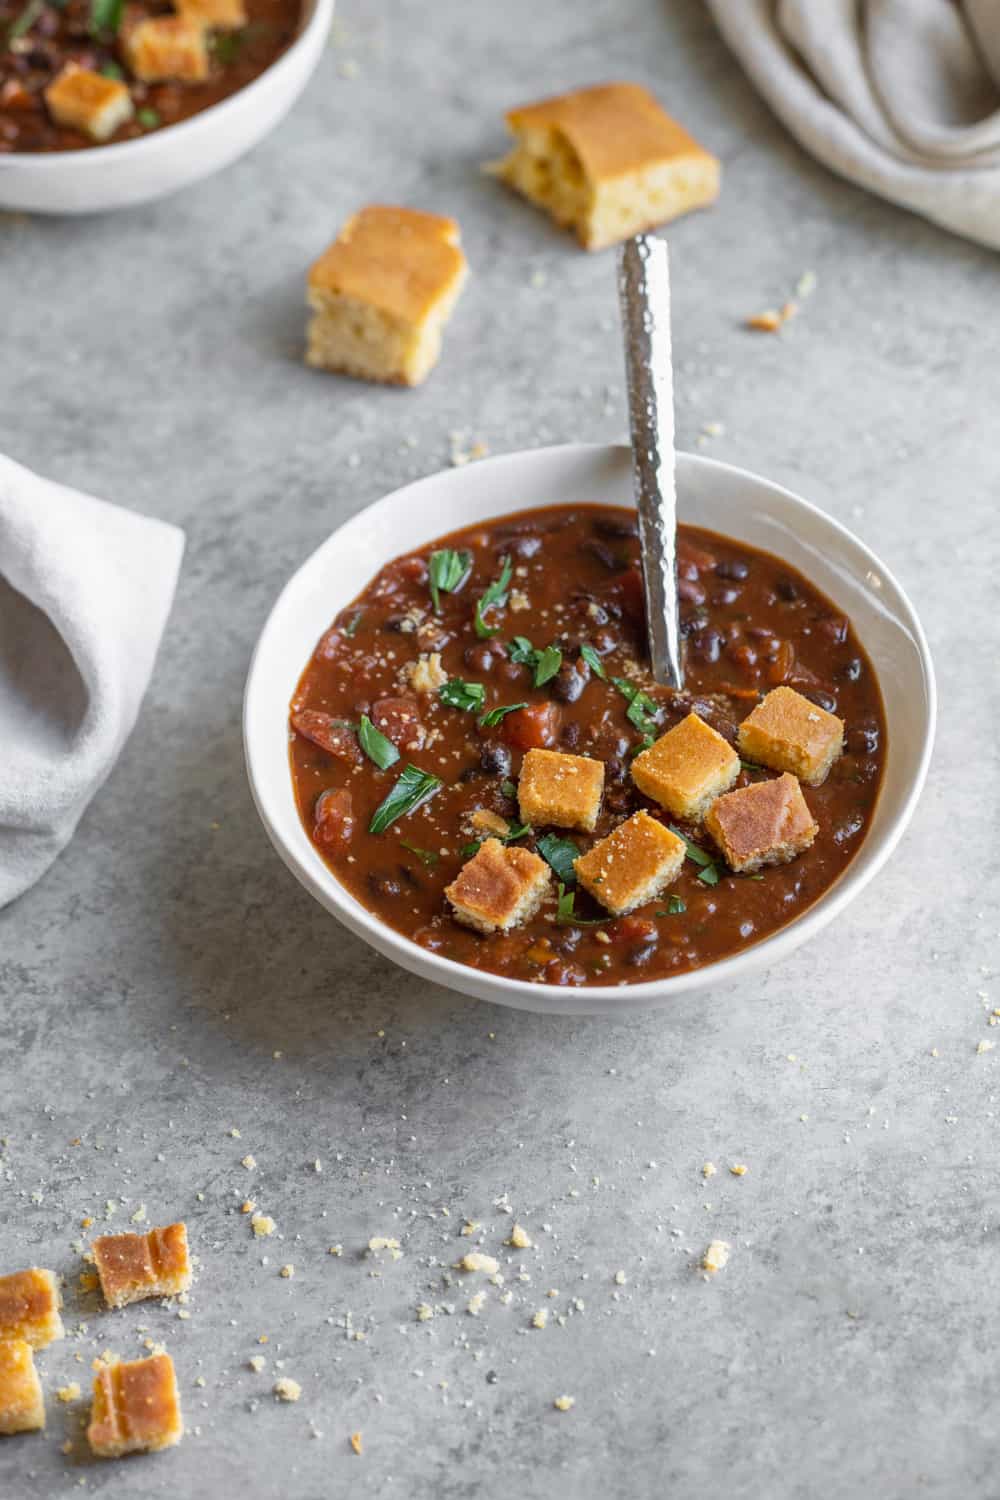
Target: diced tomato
{"points": [[331, 735], [635, 930], [533, 728], [399, 720], [334, 819]]}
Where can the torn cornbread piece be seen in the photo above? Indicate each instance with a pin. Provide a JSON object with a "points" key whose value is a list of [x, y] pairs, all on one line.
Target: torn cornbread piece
{"points": [[632, 865], [136, 1408], [134, 1266], [88, 101], [499, 887], [789, 733], [29, 1307], [766, 823], [382, 293], [687, 768], [217, 15], [561, 789], [167, 47], [607, 162], [22, 1407]]}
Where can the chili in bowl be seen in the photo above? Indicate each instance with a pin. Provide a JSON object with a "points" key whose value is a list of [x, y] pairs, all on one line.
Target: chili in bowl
{"points": [[476, 772]]}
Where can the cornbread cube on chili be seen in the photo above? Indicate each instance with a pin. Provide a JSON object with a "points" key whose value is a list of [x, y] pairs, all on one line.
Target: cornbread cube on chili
{"points": [[789, 733], [561, 789], [136, 1408], [687, 768], [217, 15], [500, 887], [607, 162], [766, 823], [382, 293], [87, 101], [632, 865], [22, 1408], [134, 1266], [29, 1307], [167, 47]]}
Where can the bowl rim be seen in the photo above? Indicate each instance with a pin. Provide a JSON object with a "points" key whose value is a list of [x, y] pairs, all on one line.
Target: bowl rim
{"points": [[601, 999], [320, 12]]}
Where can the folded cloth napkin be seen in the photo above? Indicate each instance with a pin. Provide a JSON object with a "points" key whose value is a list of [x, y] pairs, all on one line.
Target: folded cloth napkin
{"points": [[85, 591], [901, 96]]}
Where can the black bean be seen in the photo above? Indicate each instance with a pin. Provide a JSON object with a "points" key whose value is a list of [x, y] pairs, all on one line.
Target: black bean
{"points": [[852, 669], [732, 569], [479, 657], [787, 590], [470, 773], [851, 825], [821, 698], [639, 956], [522, 546], [568, 939], [726, 596], [614, 528], [495, 759], [604, 555], [569, 735], [567, 684], [863, 737], [397, 623], [384, 885], [614, 769], [707, 644]]}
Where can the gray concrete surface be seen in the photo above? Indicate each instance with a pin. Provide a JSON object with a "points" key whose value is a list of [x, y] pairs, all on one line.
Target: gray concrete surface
{"points": [[168, 983]]}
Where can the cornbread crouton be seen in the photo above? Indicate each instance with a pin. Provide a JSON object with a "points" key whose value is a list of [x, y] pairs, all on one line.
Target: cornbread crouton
{"points": [[167, 47], [561, 789], [136, 1408], [29, 1307], [632, 865], [134, 1266], [382, 293], [788, 733], [716, 1256], [687, 768], [607, 162], [766, 823], [22, 1408], [500, 887], [217, 15], [87, 101]]}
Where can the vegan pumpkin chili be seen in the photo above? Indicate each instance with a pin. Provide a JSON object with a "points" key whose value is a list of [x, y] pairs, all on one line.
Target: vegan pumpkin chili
{"points": [[410, 724]]}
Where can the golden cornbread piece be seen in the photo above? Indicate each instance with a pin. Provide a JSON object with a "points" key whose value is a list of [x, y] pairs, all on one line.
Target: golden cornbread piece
{"points": [[167, 47], [382, 293], [767, 823], [500, 887], [218, 15], [134, 1266], [788, 733], [136, 1408], [632, 865], [22, 1407], [88, 101], [607, 162], [561, 789], [687, 768], [29, 1307]]}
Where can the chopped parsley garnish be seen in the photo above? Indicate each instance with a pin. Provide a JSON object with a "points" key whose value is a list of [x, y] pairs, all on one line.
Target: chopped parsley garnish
{"points": [[641, 711], [508, 788], [566, 914], [752, 768], [226, 45], [375, 745], [468, 850], [544, 664], [464, 695], [111, 70], [495, 596], [447, 570], [488, 720], [708, 872], [354, 622], [24, 22], [522, 651], [675, 907], [149, 119], [413, 787], [560, 854], [593, 661], [425, 856], [105, 15], [709, 875], [516, 831]]}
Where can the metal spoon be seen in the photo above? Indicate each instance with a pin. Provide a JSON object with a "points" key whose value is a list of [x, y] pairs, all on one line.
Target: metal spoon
{"points": [[644, 296]]}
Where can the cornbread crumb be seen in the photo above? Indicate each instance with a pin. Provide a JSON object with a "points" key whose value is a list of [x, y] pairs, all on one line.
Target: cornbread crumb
{"points": [[335, 1250], [738, 1169], [475, 1260], [69, 1392], [715, 1257], [540, 1318], [287, 1389], [287, 1272], [426, 674], [476, 1304], [262, 1225], [564, 1403], [256, 1363], [620, 1278], [519, 1238], [709, 1169], [769, 321], [985, 1047], [469, 1227], [249, 1162], [247, 1206], [356, 1443], [424, 1312]]}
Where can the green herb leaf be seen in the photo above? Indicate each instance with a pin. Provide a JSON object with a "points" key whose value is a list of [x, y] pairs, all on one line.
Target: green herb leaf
{"points": [[425, 856], [709, 875], [565, 912], [413, 787], [149, 119], [517, 831], [508, 788], [495, 595], [593, 661], [548, 663], [375, 745], [225, 46], [24, 22], [353, 622], [105, 15], [447, 570], [468, 850], [560, 854], [496, 714], [111, 70], [641, 711], [694, 851], [675, 907], [464, 695], [522, 651]]}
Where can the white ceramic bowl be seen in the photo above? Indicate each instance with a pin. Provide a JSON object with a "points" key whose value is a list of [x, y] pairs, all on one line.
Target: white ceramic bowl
{"points": [[99, 178], [710, 494]]}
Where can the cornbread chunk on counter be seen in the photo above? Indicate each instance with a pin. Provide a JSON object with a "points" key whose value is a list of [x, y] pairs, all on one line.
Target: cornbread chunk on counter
{"points": [[88, 101], [788, 733], [29, 1307], [632, 865], [382, 293], [22, 1407], [607, 162], [134, 1266], [561, 789], [166, 47], [136, 1408], [218, 15], [500, 887], [687, 768], [767, 823]]}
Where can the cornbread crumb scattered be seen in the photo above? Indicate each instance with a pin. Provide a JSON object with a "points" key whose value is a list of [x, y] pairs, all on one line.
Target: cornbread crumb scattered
{"points": [[564, 1403], [256, 1363], [356, 1443], [469, 1227], [249, 1162], [287, 1272], [709, 1169], [540, 1318], [426, 674], [262, 1225], [475, 1260], [519, 1238], [716, 1256], [247, 1206], [620, 1278], [985, 1047], [287, 1389], [424, 1312], [69, 1392], [738, 1169], [475, 1304]]}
